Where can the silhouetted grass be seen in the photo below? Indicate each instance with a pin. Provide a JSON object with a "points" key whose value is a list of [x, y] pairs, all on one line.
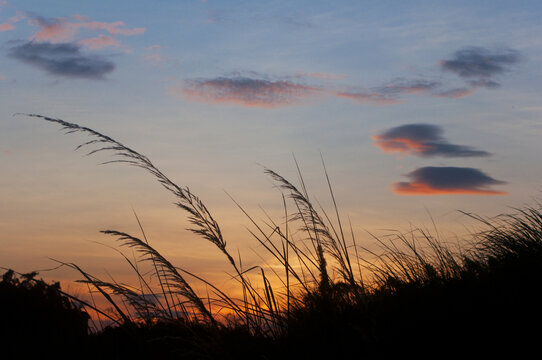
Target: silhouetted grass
{"points": [[331, 296]]}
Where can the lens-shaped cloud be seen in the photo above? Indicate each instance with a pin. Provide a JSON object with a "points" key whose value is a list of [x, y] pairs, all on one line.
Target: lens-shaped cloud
{"points": [[447, 180], [480, 65], [63, 59], [245, 91], [424, 140]]}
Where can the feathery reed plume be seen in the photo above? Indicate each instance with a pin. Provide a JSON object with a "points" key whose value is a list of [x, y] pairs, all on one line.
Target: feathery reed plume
{"points": [[200, 216], [172, 277], [312, 224]]}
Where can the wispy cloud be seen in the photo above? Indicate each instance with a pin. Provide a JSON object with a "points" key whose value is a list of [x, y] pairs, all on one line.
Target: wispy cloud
{"points": [[479, 66], [6, 26], [423, 140], [153, 59], [455, 93], [390, 93], [407, 86], [9, 24], [154, 47], [59, 30], [153, 55], [363, 97], [447, 180], [63, 59], [99, 42], [254, 89], [245, 91]]}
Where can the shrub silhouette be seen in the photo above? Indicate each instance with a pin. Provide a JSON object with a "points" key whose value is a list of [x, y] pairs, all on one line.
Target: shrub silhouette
{"points": [[37, 317]]}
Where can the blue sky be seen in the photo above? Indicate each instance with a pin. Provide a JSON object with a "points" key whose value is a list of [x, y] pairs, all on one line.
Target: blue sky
{"points": [[417, 108]]}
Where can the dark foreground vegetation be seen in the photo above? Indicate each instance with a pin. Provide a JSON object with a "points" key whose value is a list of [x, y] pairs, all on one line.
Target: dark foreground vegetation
{"points": [[417, 297]]}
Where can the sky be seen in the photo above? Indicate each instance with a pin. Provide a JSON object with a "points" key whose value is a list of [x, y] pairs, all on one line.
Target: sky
{"points": [[419, 110]]}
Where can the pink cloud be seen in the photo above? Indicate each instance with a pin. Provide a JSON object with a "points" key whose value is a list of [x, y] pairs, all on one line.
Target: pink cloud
{"points": [[113, 28], [2, 77], [18, 17], [62, 29], [153, 56], [6, 26], [245, 92], [99, 42], [57, 30]]}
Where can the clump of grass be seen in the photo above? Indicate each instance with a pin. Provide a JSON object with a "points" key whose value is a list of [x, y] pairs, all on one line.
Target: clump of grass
{"points": [[327, 293]]}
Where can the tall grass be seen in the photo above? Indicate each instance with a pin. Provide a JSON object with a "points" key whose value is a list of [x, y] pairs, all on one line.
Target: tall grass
{"points": [[264, 309], [326, 281]]}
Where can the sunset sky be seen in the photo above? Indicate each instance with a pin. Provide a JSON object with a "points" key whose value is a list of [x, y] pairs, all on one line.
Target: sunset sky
{"points": [[418, 109]]}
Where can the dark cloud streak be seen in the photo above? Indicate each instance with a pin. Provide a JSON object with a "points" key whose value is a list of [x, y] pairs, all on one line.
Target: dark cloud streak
{"points": [[389, 94], [246, 91], [479, 65], [402, 86], [64, 59]]}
